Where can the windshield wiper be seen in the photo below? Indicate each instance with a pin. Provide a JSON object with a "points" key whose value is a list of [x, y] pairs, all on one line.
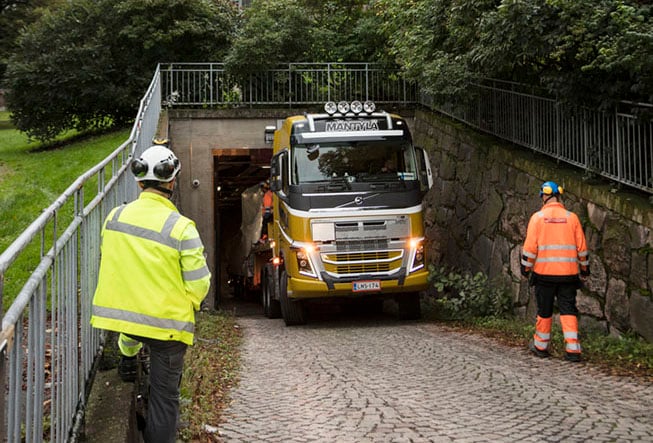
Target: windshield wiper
{"points": [[344, 180]]}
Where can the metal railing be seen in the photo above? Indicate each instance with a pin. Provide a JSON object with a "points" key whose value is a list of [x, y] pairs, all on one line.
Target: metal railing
{"points": [[294, 84], [48, 348], [617, 145]]}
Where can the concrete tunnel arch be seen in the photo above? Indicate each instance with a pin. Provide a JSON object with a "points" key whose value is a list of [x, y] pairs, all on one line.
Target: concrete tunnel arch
{"points": [[222, 152]]}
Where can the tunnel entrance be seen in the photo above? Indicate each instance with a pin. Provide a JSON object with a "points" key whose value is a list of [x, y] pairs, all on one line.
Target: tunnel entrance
{"points": [[234, 170]]}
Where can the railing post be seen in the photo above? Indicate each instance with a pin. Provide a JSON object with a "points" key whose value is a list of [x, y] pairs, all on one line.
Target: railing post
{"points": [[618, 142], [3, 368], [290, 85]]}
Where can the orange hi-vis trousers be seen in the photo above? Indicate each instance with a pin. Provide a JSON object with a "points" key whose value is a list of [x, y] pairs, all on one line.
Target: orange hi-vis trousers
{"points": [[542, 335]]}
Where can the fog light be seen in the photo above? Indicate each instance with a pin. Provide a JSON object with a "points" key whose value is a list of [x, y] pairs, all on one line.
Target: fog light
{"points": [[356, 107], [330, 108], [343, 107]]}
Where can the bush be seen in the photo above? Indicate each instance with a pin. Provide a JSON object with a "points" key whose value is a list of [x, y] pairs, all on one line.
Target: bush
{"points": [[463, 296]]}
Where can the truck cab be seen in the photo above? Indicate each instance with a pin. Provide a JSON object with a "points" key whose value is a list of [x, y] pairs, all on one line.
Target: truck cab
{"points": [[347, 211]]}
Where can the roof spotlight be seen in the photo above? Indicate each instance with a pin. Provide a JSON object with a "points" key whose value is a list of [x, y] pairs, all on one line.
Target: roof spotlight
{"points": [[343, 107], [356, 107], [330, 108], [369, 106]]}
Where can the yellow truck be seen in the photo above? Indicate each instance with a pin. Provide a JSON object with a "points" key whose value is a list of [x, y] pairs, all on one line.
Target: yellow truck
{"points": [[348, 217]]}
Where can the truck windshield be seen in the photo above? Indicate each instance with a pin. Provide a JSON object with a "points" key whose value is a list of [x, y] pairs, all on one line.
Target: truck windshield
{"points": [[381, 160]]}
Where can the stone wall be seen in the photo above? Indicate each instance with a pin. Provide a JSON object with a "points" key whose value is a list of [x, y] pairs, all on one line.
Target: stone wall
{"points": [[484, 194]]}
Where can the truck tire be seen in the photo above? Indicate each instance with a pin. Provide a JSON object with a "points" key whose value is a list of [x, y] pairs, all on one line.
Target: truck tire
{"points": [[271, 307], [293, 312], [408, 306]]}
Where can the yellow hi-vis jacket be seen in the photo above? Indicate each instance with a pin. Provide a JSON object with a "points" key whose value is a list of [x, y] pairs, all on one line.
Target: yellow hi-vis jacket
{"points": [[153, 274]]}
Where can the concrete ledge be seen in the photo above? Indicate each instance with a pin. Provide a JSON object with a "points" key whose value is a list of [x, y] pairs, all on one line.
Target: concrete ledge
{"points": [[110, 415]]}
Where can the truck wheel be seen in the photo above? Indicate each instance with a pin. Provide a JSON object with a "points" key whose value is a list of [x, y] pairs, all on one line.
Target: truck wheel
{"points": [[408, 307], [292, 311], [271, 307]]}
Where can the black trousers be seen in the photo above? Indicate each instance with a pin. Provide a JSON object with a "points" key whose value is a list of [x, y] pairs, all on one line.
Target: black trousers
{"points": [[166, 367], [546, 294]]}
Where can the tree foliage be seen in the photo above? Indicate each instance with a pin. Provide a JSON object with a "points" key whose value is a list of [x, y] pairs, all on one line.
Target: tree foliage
{"points": [[14, 16], [586, 51], [86, 65], [284, 31]]}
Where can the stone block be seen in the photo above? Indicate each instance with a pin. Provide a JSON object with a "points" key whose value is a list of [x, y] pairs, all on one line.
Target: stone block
{"points": [[588, 305], [616, 305], [641, 313]]}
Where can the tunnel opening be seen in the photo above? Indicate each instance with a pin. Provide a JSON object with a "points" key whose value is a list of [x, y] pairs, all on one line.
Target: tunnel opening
{"points": [[234, 170]]}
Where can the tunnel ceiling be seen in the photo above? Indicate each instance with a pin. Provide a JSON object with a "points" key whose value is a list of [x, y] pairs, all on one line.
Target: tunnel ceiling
{"points": [[236, 170]]}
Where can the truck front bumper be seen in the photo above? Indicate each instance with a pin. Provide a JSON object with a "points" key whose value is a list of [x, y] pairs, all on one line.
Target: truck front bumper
{"points": [[303, 288]]}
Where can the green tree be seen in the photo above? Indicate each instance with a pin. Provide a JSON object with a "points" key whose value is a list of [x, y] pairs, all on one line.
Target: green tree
{"points": [[85, 65], [284, 31], [274, 31], [585, 51], [431, 40], [14, 16]]}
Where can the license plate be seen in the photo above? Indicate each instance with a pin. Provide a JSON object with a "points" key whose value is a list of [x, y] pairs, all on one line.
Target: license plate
{"points": [[366, 285]]}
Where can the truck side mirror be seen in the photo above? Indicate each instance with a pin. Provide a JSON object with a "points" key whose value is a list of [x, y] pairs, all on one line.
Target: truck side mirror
{"points": [[425, 172], [276, 173]]}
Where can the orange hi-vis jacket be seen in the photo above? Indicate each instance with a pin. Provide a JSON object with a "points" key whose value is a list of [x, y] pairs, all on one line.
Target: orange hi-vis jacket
{"points": [[267, 202], [555, 243]]}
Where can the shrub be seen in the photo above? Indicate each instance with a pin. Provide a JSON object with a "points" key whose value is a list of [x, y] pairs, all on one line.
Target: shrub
{"points": [[463, 296]]}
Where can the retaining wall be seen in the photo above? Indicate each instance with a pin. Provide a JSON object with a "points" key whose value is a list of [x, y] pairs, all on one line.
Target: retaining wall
{"points": [[485, 192]]}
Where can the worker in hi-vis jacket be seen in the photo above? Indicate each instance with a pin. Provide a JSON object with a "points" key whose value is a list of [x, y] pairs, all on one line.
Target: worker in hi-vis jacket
{"points": [[153, 277], [556, 261]]}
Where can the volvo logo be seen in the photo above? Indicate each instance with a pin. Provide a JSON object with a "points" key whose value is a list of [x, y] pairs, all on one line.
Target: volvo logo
{"points": [[358, 200]]}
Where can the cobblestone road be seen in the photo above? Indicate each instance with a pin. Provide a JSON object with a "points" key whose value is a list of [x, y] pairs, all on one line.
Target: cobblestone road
{"points": [[381, 380]]}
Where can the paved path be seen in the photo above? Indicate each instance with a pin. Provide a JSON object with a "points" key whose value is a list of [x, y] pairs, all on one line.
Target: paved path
{"points": [[381, 380]]}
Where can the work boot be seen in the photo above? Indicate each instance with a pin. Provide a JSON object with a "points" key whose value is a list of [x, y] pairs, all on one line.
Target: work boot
{"points": [[572, 357], [537, 352], [127, 368]]}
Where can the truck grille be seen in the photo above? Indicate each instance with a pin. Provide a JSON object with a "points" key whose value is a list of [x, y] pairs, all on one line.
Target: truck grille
{"points": [[365, 262]]}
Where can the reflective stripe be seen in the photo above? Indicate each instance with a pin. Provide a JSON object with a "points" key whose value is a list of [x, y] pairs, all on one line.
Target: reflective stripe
{"points": [[162, 237], [572, 347], [192, 243], [584, 263], [543, 335], [541, 345], [128, 341], [133, 317], [571, 335], [583, 254], [529, 255], [557, 260], [527, 263], [556, 247], [169, 224], [197, 274]]}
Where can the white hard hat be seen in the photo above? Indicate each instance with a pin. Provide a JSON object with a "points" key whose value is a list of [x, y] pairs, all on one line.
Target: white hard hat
{"points": [[156, 163]]}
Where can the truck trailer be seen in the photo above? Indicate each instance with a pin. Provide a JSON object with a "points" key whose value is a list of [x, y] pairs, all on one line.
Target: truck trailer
{"points": [[347, 220]]}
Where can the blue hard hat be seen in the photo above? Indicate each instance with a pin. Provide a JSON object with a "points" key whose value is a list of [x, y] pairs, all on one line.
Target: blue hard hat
{"points": [[550, 188]]}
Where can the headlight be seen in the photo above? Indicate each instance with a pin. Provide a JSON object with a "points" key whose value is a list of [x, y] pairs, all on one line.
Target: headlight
{"points": [[417, 254], [304, 261]]}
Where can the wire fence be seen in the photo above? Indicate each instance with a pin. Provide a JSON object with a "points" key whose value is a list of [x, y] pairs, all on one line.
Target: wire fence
{"points": [[616, 144], [294, 84]]}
